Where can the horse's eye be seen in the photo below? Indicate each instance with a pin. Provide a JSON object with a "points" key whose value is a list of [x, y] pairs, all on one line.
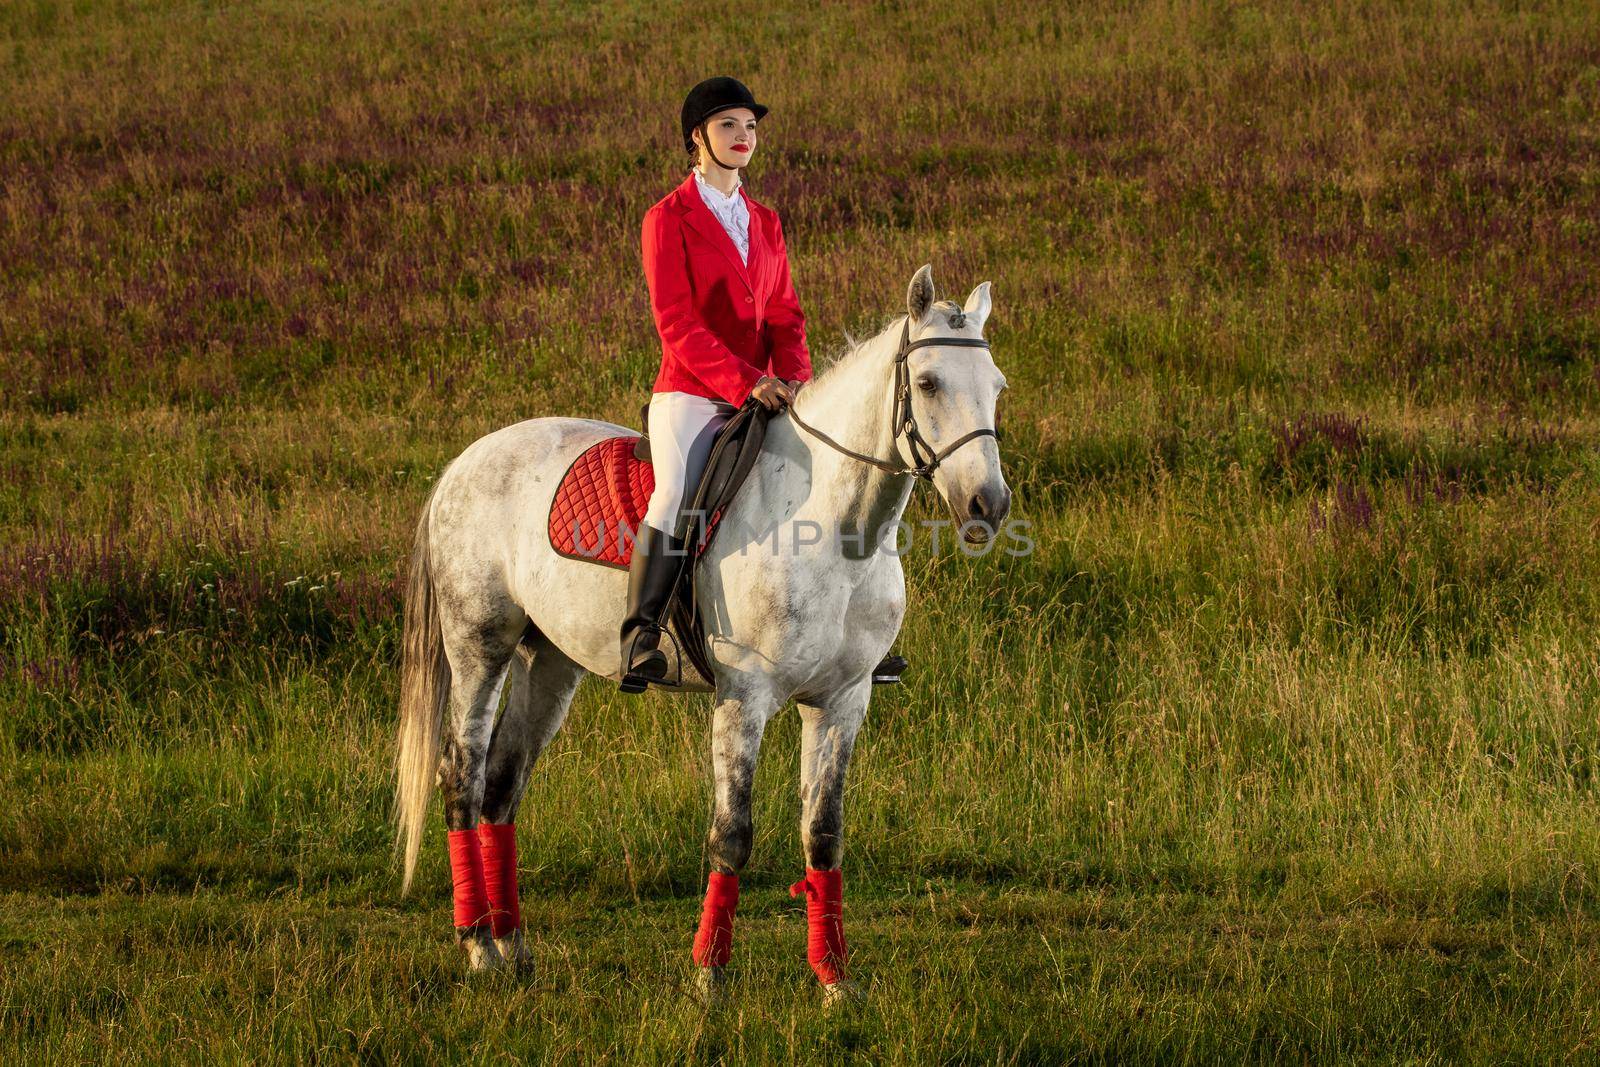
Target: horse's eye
{"points": [[927, 385]]}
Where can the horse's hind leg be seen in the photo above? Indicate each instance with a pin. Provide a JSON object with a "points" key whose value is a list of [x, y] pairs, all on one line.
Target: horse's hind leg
{"points": [[479, 652], [542, 682]]}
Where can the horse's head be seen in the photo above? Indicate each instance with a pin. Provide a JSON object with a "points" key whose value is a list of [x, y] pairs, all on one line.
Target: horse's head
{"points": [[953, 391]]}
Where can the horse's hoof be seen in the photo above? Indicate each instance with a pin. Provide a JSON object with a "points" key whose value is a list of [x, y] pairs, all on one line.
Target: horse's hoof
{"points": [[514, 950], [482, 952], [841, 994], [711, 987]]}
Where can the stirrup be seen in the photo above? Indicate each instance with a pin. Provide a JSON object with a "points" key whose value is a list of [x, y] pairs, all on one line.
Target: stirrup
{"points": [[889, 670], [634, 683], [638, 676]]}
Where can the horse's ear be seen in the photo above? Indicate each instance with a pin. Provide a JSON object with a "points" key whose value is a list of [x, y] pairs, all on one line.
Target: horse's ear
{"points": [[977, 306], [919, 297]]}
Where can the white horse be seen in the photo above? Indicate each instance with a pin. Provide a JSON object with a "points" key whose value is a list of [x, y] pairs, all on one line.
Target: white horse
{"points": [[788, 614]]}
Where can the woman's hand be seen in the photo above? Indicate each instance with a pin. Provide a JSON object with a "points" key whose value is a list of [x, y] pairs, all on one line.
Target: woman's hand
{"points": [[773, 392]]}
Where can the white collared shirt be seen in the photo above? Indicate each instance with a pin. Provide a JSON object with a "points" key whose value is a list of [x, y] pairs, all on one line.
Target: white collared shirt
{"points": [[731, 211]]}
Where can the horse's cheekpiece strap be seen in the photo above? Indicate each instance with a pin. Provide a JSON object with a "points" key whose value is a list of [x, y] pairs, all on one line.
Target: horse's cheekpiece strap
{"points": [[907, 427]]}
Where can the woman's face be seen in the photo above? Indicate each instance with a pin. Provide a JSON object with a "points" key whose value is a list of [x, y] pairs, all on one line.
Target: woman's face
{"points": [[733, 136]]}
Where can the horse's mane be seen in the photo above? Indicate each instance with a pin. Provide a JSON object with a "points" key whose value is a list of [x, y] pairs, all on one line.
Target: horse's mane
{"points": [[851, 354], [853, 347]]}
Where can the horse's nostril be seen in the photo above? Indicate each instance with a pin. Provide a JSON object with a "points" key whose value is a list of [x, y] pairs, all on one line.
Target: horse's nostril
{"points": [[989, 507]]}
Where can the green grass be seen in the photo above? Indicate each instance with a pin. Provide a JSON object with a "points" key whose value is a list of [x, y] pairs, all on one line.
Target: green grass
{"points": [[1005, 974], [1280, 745]]}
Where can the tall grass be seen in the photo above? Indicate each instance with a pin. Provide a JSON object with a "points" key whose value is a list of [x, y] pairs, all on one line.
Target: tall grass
{"points": [[1280, 744]]}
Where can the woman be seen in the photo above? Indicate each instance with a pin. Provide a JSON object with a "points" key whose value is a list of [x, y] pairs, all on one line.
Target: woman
{"points": [[731, 328]]}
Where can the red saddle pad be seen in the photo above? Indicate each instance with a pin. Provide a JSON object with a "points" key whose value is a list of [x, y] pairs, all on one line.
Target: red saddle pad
{"points": [[602, 500], [600, 503]]}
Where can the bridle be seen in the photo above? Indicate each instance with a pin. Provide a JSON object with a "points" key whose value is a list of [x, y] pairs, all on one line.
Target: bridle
{"points": [[905, 422]]}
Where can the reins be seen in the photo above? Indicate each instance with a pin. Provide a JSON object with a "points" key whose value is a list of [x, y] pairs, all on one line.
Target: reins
{"points": [[905, 422]]}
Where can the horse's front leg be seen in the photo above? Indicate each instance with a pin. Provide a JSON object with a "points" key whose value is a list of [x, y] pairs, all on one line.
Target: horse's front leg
{"points": [[828, 737], [736, 730]]}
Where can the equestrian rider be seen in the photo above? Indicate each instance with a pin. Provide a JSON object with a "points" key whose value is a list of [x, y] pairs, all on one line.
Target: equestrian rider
{"points": [[731, 328]]}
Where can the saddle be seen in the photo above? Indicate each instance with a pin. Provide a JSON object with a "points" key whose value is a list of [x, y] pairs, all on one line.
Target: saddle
{"points": [[606, 489]]}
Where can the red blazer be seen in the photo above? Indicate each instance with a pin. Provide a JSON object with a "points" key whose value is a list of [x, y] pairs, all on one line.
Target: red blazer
{"points": [[723, 325]]}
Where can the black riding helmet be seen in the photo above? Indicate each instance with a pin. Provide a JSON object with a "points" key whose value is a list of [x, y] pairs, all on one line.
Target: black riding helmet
{"points": [[705, 100]]}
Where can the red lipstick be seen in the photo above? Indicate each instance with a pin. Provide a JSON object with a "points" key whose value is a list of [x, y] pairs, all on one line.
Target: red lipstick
{"points": [[741, 148]]}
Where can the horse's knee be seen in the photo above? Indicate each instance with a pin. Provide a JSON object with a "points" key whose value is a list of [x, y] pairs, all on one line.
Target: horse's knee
{"points": [[732, 836]]}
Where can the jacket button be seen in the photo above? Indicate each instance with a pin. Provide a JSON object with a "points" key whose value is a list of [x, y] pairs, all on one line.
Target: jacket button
{"points": [[749, 300]]}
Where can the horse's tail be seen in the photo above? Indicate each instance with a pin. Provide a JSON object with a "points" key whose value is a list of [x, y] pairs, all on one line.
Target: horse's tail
{"points": [[424, 696]]}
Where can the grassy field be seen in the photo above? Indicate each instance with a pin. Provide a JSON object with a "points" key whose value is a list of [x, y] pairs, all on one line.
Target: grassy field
{"points": [[1281, 745]]}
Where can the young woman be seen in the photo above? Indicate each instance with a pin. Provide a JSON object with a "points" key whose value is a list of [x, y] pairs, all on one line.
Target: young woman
{"points": [[731, 328]]}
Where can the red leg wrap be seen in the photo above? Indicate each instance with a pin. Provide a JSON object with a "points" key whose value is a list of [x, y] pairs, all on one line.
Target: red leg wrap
{"points": [[825, 947], [499, 843], [466, 874], [714, 942]]}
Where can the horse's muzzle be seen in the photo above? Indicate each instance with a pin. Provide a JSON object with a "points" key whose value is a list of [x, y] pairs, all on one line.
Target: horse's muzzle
{"points": [[985, 511]]}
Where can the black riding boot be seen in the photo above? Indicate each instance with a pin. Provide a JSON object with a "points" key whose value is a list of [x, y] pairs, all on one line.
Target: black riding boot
{"points": [[657, 559]]}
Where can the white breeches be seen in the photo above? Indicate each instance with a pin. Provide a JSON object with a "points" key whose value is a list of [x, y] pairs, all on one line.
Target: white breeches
{"points": [[681, 427]]}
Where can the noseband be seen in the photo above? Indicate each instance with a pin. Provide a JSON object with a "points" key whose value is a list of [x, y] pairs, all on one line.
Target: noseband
{"points": [[905, 422]]}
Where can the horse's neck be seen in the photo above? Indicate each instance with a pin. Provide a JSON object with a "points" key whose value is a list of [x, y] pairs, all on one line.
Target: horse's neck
{"points": [[852, 403]]}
